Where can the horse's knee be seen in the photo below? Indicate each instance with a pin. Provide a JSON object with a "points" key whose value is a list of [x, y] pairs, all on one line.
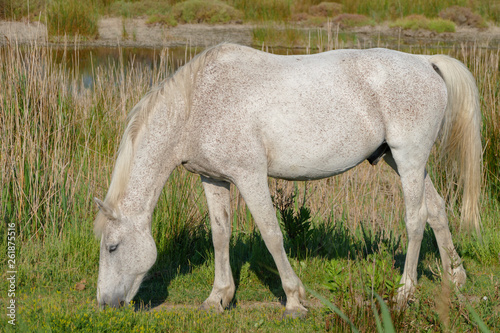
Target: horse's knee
{"points": [[273, 237], [415, 228]]}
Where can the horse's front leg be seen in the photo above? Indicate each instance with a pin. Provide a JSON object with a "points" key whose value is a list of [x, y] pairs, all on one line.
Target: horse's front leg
{"points": [[254, 189], [218, 199]]}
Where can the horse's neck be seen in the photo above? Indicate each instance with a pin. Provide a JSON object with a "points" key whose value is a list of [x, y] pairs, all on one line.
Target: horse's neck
{"points": [[154, 160]]}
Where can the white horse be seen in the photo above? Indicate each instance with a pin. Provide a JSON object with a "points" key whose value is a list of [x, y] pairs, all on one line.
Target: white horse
{"points": [[237, 115]]}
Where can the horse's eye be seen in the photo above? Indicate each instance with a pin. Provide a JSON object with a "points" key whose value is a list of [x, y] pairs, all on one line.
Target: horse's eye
{"points": [[112, 248]]}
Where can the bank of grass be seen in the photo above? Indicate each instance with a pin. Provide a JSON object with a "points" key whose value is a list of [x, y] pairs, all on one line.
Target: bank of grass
{"points": [[72, 17], [393, 9], [378, 10], [57, 152], [419, 22]]}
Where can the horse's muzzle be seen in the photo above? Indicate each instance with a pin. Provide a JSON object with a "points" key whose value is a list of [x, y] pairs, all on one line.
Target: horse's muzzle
{"points": [[106, 300]]}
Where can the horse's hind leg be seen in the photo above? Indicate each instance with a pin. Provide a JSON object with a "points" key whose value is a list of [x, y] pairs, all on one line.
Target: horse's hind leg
{"points": [[438, 221], [254, 189], [412, 173], [218, 199]]}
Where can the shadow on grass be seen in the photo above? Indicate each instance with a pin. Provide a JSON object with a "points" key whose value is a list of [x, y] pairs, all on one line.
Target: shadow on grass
{"points": [[177, 256], [189, 249]]}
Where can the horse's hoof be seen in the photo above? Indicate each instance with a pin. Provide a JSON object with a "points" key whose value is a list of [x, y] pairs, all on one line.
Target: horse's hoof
{"points": [[293, 314], [401, 301], [459, 276], [399, 306], [213, 308]]}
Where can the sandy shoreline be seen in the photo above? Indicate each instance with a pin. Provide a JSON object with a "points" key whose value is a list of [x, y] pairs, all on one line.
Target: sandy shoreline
{"points": [[115, 32]]}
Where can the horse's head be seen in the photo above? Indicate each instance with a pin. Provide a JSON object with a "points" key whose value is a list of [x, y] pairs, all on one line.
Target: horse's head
{"points": [[127, 253]]}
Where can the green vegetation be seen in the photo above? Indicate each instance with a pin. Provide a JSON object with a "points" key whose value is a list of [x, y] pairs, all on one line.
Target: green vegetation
{"points": [[393, 9], [131, 9], [416, 22], [163, 19], [199, 11], [285, 37], [345, 235], [71, 17], [264, 10]]}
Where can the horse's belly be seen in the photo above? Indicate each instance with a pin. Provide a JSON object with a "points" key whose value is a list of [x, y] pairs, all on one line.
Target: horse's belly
{"points": [[290, 171], [299, 162]]}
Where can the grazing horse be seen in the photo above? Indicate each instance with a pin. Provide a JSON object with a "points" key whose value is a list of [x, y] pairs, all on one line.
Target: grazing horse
{"points": [[237, 115]]}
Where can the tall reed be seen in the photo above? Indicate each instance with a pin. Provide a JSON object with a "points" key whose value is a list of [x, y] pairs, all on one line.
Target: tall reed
{"points": [[59, 137]]}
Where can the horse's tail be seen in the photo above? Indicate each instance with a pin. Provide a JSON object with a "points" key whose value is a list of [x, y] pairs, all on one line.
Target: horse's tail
{"points": [[460, 137]]}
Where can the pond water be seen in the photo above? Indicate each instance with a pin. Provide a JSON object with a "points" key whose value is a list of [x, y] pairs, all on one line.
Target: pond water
{"points": [[84, 61]]}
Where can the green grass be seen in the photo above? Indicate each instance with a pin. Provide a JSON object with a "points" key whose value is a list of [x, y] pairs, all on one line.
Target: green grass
{"points": [[131, 9], [163, 19], [57, 152], [71, 17], [61, 307], [17, 9], [264, 10], [416, 22]]}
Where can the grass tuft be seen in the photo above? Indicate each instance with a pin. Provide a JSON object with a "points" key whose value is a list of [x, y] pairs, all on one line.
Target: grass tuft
{"points": [[417, 22], [326, 9], [463, 16], [352, 20]]}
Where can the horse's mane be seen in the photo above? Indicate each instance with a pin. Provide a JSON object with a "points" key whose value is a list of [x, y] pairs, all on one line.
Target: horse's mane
{"points": [[180, 84]]}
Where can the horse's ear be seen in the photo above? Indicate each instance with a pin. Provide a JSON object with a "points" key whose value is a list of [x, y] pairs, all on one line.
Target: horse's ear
{"points": [[109, 212]]}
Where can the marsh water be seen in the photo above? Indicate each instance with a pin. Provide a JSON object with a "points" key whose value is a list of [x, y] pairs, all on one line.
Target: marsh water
{"points": [[83, 61]]}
